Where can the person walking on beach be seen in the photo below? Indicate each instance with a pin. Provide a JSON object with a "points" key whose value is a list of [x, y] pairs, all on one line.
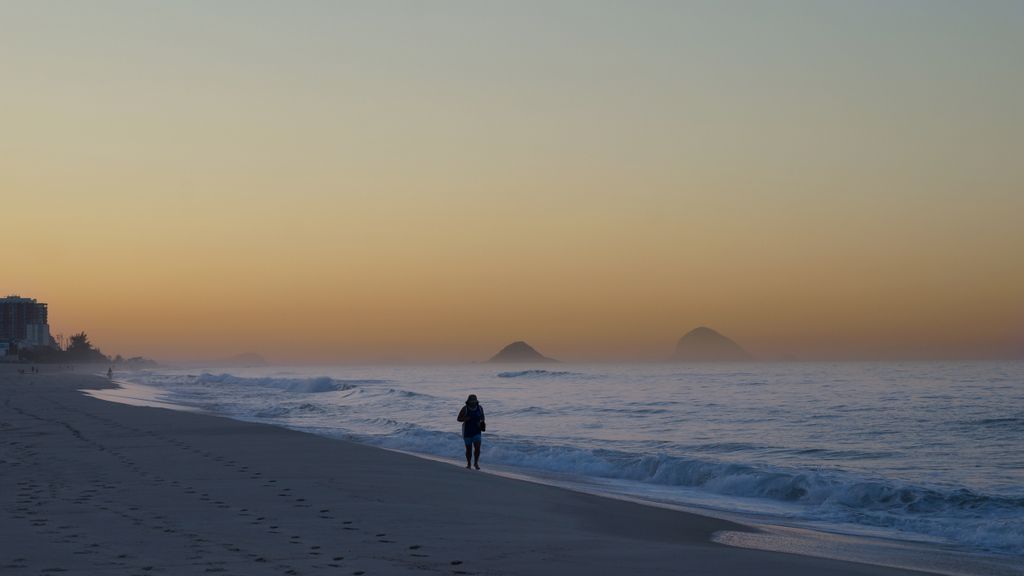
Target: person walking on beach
{"points": [[472, 418]]}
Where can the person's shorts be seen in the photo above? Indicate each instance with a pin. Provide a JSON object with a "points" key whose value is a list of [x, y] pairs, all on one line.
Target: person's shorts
{"points": [[470, 440]]}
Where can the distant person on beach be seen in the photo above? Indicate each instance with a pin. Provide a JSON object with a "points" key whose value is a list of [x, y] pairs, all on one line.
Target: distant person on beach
{"points": [[110, 373], [472, 418]]}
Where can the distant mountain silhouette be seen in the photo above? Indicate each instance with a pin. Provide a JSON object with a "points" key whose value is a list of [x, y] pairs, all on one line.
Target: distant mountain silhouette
{"points": [[705, 345], [520, 352]]}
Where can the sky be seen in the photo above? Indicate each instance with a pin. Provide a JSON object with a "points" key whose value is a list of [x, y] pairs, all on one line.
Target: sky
{"points": [[428, 181]]}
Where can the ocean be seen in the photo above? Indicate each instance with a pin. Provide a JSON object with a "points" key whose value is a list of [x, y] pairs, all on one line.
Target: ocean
{"points": [[921, 452]]}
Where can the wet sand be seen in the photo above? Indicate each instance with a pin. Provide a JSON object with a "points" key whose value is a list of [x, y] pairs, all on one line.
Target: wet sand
{"points": [[95, 487]]}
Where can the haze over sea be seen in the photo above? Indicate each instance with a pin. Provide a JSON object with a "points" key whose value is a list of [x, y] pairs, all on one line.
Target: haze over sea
{"points": [[911, 451]]}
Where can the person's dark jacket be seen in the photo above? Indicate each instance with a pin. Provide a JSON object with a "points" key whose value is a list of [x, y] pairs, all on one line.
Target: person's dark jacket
{"points": [[472, 420]]}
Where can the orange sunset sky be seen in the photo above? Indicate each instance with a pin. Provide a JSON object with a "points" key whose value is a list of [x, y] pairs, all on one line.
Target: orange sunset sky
{"points": [[361, 181]]}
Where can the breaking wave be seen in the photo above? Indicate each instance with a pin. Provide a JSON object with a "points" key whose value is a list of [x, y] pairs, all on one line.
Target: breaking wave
{"points": [[280, 411], [538, 374], [300, 385], [986, 522]]}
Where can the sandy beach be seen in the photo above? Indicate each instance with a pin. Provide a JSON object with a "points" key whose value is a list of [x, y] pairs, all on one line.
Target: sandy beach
{"points": [[95, 487]]}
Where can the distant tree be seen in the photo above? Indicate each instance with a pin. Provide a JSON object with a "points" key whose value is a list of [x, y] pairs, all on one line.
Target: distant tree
{"points": [[81, 350], [79, 343]]}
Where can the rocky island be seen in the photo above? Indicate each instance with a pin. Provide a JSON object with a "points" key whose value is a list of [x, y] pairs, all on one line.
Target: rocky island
{"points": [[519, 352], [706, 345]]}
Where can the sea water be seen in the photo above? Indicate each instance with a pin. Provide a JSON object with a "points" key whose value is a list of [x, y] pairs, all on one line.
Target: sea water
{"points": [[929, 452]]}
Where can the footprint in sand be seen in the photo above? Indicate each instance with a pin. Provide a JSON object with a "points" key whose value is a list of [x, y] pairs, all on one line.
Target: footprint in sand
{"points": [[417, 555]]}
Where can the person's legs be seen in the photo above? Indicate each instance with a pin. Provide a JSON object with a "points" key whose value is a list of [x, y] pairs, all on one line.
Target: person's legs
{"points": [[469, 453], [476, 454]]}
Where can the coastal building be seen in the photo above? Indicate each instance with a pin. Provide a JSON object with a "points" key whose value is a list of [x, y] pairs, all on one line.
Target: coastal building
{"points": [[23, 323]]}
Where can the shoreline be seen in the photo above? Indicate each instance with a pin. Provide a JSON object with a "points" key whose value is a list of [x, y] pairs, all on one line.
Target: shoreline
{"points": [[777, 533], [216, 494]]}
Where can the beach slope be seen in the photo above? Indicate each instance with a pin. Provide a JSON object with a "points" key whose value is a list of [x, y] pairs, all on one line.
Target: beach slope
{"points": [[94, 487]]}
